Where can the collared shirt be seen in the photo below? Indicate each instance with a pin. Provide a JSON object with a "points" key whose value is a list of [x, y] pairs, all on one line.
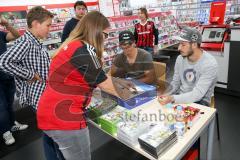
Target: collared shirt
{"points": [[23, 60]]}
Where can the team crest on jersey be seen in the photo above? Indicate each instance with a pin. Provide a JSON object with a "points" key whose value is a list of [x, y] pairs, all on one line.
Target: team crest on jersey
{"points": [[189, 76], [149, 26]]}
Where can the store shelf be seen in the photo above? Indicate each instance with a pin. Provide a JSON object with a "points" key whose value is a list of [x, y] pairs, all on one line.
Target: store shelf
{"points": [[182, 4], [165, 47], [120, 29], [236, 14], [112, 38], [109, 58], [52, 41], [191, 24], [112, 47], [196, 8]]}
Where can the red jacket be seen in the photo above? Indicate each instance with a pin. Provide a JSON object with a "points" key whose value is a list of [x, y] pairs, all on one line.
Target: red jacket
{"points": [[73, 74]]}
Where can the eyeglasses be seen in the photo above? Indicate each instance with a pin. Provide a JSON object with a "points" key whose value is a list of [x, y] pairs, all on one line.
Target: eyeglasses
{"points": [[105, 35]]}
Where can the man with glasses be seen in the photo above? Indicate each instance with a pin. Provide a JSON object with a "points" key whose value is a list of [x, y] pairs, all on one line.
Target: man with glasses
{"points": [[134, 62], [80, 9]]}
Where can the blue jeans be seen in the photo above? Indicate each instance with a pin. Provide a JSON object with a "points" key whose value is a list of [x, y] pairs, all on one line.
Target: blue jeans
{"points": [[51, 149], [74, 144], [7, 118]]}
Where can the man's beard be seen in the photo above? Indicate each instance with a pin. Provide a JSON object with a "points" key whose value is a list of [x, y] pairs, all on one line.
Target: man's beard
{"points": [[190, 52]]}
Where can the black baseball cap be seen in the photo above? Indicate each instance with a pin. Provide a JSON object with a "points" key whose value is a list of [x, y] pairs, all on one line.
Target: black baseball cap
{"points": [[126, 37], [189, 34]]}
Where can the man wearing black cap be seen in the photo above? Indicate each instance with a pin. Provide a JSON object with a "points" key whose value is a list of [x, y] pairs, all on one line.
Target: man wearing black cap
{"points": [[195, 73], [134, 63]]}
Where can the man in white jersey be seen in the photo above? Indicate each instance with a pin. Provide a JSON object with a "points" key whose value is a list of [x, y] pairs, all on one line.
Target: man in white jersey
{"points": [[195, 72]]}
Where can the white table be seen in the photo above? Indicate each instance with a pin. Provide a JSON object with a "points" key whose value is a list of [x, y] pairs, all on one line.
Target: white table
{"points": [[178, 149]]}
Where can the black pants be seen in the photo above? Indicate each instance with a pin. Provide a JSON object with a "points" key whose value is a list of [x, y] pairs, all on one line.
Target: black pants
{"points": [[7, 118]]}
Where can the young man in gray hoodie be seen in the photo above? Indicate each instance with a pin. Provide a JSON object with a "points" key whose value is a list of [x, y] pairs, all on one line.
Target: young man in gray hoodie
{"points": [[195, 72]]}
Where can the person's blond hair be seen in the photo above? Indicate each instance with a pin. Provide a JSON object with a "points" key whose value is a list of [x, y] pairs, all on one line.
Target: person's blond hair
{"points": [[90, 30]]}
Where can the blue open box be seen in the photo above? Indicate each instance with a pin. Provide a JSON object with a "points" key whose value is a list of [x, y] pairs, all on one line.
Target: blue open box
{"points": [[148, 93]]}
